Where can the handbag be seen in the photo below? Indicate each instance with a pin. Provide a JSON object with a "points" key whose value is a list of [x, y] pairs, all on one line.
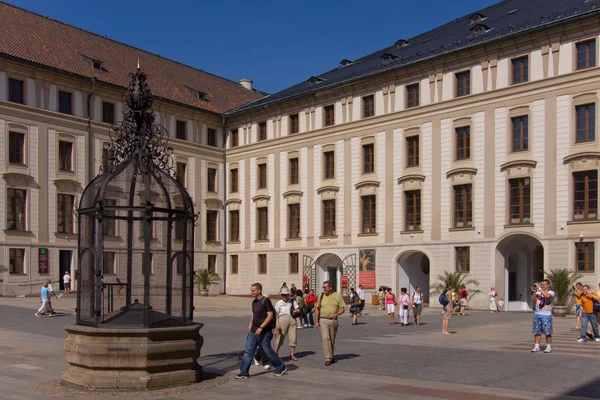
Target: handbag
{"points": [[354, 308]]}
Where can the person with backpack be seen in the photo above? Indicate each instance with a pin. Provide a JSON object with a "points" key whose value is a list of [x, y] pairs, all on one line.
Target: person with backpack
{"points": [[590, 302], [463, 295], [417, 300], [287, 311], [445, 300]]}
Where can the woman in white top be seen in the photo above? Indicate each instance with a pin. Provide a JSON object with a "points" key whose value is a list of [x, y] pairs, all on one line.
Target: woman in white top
{"points": [[493, 294], [417, 300], [403, 305], [286, 324]]}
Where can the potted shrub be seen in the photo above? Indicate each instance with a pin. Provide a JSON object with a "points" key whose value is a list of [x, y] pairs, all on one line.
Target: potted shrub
{"points": [[562, 281], [204, 278], [456, 279]]}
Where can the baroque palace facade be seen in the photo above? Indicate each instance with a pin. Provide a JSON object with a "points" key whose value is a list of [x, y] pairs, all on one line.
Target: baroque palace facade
{"points": [[469, 148]]}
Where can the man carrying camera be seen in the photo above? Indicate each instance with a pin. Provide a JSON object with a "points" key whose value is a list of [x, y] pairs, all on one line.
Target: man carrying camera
{"points": [[542, 318], [588, 315]]}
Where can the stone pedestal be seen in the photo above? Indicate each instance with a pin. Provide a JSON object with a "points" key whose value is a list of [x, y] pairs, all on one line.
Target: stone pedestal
{"points": [[132, 359]]}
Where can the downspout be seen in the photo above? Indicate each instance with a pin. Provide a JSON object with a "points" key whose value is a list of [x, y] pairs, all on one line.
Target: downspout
{"points": [[224, 207], [90, 144]]}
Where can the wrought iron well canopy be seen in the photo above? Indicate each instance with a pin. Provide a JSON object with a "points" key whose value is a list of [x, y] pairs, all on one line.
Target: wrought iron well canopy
{"points": [[136, 228]]}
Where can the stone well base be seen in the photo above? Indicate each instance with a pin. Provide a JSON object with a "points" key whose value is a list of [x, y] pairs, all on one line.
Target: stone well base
{"points": [[132, 359]]}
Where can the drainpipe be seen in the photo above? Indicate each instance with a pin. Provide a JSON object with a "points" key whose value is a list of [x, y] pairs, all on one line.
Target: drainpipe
{"points": [[224, 207], [90, 144]]}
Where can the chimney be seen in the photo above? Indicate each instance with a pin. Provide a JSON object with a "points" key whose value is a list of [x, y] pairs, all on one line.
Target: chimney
{"points": [[247, 83]]}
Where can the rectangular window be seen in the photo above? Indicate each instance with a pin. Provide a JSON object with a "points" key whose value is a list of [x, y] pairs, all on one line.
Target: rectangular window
{"points": [[329, 157], [107, 154], [520, 201], [16, 208], [234, 140], [463, 143], [294, 263], [413, 210], [369, 218], [179, 226], [463, 206], [211, 137], [212, 263], [180, 130], [65, 213], [65, 155], [65, 102], [412, 151], [263, 223], [293, 221], [17, 261], [520, 70], [180, 173], [108, 112], [262, 176], [211, 225], [234, 226], [233, 180], [586, 54], [16, 148], [262, 263], [211, 184], [463, 262], [329, 115], [368, 158], [412, 92], [294, 124], [108, 262], [586, 123], [16, 92], [109, 221], [368, 106], [585, 195], [234, 264], [585, 256], [520, 133], [329, 218], [262, 131], [463, 83], [294, 171]]}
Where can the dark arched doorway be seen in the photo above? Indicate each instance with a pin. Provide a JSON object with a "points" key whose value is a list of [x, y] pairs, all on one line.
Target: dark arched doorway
{"points": [[519, 263], [413, 270]]}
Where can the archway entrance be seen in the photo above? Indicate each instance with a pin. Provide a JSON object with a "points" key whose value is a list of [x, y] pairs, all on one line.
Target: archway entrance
{"points": [[519, 263], [413, 271], [330, 269]]}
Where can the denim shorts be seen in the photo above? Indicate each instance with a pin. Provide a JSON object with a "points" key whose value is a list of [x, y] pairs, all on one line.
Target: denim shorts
{"points": [[542, 324]]}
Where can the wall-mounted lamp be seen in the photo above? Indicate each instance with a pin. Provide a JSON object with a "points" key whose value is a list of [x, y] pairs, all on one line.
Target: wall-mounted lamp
{"points": [[581, 237]]}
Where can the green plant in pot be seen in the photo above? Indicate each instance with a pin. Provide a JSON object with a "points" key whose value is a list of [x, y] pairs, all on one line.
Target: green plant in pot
{"points": [[562, 281], [457, 279], [204, 278]]}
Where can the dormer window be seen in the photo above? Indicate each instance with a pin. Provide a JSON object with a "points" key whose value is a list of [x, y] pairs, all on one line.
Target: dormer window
{"points": [[402, 43], [386, 58], [315, 79], [93, 62], [480, 29], [477, 18], [196, 93], [345, 62]]}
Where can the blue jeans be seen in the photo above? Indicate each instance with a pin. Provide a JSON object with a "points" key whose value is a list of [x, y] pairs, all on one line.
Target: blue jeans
{"points": [[252, 341], [593, 319], [309, 314]]}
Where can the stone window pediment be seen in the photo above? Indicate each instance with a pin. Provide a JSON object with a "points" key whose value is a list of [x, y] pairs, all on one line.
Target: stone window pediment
{"points": [[583, 159], [411, 180], [213, 204], [367, 187], [293, 196], [518, 165], [462, 172], [233, 204], [67, 185], [18, 179], [328, 192], [261, 200]]}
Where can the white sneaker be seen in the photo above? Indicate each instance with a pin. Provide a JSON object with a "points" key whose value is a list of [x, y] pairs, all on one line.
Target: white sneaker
{"points": [[256, 362], [597, 340], [548, 350], [267, 367], [580, 340], [535, 350]]}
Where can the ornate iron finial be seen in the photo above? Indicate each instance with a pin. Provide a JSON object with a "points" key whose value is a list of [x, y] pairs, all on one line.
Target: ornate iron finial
{"points": [[138, 64], [137, 138]]}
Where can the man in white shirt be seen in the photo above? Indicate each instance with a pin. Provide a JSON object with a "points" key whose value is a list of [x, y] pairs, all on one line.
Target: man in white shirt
{"points": [[361, 296], [542, 318], [67, 282]]}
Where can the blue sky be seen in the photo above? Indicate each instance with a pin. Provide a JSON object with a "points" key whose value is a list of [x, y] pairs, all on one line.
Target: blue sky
{"points": [[275, 43]]}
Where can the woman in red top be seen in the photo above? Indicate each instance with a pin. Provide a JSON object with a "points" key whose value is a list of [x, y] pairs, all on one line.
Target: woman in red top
{"points": [[310, 301]]}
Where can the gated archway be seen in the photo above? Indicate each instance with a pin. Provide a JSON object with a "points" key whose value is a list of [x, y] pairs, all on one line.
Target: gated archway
{"points": [[348, 269], [310, 270]]}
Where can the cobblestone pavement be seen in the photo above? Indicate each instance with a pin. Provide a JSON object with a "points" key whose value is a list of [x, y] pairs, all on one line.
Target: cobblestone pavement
{"points": [[487, 356]]}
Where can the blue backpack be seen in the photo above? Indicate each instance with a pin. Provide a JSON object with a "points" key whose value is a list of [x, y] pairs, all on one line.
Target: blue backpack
{"points": [[443, 300]]}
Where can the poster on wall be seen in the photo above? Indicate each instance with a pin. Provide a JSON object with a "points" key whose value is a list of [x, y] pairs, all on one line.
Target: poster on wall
{"points": [[366, 271], [43, 261]]}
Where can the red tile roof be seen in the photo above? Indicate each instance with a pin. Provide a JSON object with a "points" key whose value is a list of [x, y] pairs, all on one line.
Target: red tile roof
{"points": [[41, 40]]}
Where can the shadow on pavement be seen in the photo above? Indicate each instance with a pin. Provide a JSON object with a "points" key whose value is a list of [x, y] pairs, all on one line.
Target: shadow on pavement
{"points": [[591, 389]]}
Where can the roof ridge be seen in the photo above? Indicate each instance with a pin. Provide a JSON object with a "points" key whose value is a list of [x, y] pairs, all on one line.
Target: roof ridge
{"points": [[115, 41]]}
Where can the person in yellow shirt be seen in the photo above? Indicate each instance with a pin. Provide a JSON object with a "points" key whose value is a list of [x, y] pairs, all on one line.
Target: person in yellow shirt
{"points": [[588, 315], [330, 306], [577, 292]]}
